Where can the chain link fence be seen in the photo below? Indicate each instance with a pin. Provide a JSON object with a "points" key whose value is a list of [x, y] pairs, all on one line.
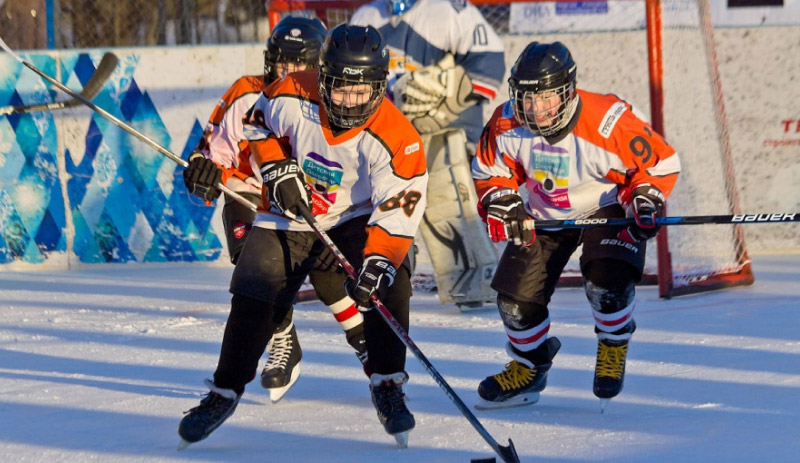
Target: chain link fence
{"points": [[38, 24]]}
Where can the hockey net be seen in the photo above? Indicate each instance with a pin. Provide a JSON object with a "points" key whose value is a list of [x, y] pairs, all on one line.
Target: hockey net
{"points": [[660, 56]]}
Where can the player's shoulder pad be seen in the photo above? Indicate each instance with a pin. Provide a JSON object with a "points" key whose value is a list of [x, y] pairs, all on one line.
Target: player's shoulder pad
{"points": [[301, 85], [602, 113], [400, 139]]}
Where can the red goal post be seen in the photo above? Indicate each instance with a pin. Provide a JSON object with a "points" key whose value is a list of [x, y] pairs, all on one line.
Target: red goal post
{"points": [[613, 41]]}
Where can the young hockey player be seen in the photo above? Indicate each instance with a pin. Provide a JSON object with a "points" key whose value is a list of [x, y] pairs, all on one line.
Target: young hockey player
{"points": [[293, 46], [579, 155], [446, 62], [325, 139]]}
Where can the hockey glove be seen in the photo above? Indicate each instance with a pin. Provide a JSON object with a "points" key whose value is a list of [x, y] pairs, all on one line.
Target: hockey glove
{"points": [[506, 218], [285, 188], [645, 204], [459, 97], [376, 275], [202, 177], [415, 93]]}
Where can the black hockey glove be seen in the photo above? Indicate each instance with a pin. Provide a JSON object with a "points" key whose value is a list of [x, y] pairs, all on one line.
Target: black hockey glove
{"points": [[285, 187], [506, 218], [645, 204], [202, 177], [376, 275]]}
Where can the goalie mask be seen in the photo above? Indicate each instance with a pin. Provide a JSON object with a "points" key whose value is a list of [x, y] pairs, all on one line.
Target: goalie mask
{"points": [[354, 65], [542, 88], [293, 46], [398, 7]]}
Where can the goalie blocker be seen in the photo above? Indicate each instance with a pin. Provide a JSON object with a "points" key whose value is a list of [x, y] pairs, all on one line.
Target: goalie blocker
{"points": [[463, 257]]}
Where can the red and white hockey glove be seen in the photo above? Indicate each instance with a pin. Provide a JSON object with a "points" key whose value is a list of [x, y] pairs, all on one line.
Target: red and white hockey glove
{"points": [[506, 218], [645, 203], [376, 275], [285, 187]]}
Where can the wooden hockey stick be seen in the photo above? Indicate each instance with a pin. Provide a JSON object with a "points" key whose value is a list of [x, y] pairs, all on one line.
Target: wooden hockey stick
{"points": [[106, 67]]}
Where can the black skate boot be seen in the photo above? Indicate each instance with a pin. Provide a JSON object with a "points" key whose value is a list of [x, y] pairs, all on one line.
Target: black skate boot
{"points": [[282, 368], [389, 401], [213, 410], [521, 381], [609, 369]]}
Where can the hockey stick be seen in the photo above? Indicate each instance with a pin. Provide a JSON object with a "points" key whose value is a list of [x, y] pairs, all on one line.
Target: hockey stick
{"points": [[236, 196], [107, 65], [509, 453], [737, 219]]}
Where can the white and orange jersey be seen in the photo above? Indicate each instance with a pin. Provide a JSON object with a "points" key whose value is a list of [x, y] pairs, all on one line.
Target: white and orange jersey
{"points": [[377, 169], [238, 174], [609, 147]]}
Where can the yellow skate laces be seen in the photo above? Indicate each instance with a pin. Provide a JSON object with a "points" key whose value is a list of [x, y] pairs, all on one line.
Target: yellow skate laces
{"points": [[516, 375], [610, 360]]}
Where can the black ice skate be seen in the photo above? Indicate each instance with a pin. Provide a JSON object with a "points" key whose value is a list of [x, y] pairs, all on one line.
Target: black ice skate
{"points": [[282, 368], [203, 419], [521, 382], [389, 401], [609, 370]]}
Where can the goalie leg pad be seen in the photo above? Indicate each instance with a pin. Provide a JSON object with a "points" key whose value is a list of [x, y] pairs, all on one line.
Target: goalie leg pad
{"points": [[463, 257]]}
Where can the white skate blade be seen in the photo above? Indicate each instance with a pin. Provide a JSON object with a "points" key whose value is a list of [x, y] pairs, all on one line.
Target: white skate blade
{"points": [[183, 444], [402, 438], [277, 393], [529, 398], [603, 403]]}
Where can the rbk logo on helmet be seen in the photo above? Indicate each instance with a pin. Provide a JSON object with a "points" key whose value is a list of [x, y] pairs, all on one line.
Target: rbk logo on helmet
{"points": [[353, 71]]}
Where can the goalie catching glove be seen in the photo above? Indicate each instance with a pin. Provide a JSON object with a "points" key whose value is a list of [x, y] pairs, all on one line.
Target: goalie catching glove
{"points": [[435, 95], [506, 218], [284, 186], [202, 176], [645, 203], [376, 275]]}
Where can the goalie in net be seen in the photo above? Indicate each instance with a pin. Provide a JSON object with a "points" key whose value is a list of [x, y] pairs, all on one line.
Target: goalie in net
{"points": [[446, 61]]}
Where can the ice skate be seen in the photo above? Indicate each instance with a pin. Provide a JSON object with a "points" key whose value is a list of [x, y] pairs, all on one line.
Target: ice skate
{"points": [[202, 420], [389, 401], [282, 368], [609, 370], [519, 383]]}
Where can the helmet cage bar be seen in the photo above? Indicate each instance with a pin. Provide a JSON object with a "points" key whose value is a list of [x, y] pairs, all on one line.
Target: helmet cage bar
{"points": [[271, 60], [344, 116], [553, 122]]}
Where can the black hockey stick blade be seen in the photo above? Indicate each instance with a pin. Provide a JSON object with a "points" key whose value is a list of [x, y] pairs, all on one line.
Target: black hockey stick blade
{"points": [[104, 70], [508, 454]]}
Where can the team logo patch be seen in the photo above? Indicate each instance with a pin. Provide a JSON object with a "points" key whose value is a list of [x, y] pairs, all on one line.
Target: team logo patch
{"points": [[611, 118], [413, 148], [239, 230], [324, 177], [551, 174]]}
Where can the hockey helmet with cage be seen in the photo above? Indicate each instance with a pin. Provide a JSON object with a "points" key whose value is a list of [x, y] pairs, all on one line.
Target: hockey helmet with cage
{"points": [[293, 40], [398, 7], [541, 88], [353, 72]]}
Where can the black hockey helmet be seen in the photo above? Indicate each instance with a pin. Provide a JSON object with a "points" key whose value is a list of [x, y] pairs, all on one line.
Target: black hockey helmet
{"points": [[352, 56], [545, 74], [293, 40]]}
